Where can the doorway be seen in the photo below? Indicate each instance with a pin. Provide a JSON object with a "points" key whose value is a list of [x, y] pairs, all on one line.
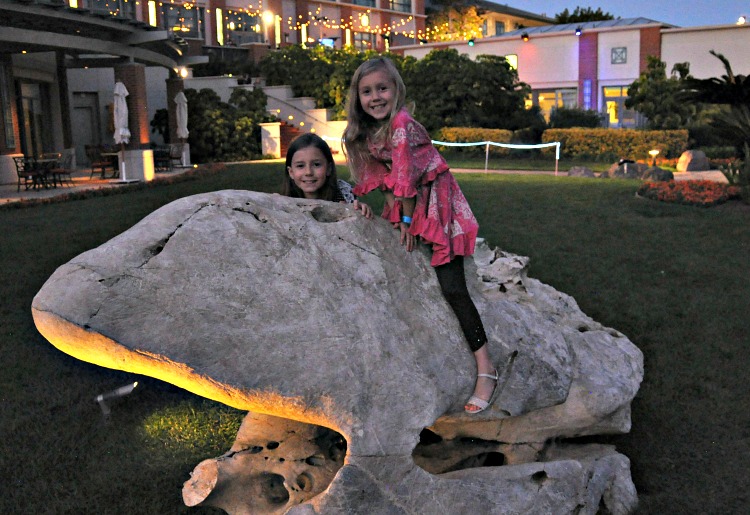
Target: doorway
{"points": [[85, 119], [34, 118]]}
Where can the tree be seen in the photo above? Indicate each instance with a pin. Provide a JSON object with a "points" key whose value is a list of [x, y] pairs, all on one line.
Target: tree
{"points": [[582, 15], [453, 20], [221, 131], [306, 70], [733, 93], [657, 96], [449, 89]]}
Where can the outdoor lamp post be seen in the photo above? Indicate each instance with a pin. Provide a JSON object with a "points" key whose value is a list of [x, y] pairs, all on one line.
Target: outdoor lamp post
{"points": [[653, 153]]}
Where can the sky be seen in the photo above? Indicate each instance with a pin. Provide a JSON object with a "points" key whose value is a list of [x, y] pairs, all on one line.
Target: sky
{"points": [[683, 13]]}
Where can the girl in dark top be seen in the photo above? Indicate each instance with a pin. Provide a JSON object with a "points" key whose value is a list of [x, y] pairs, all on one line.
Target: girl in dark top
{"points": [[311, 173]]}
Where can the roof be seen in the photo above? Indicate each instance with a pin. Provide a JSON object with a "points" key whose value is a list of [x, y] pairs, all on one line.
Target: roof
{"points": [[87, 37], [512, 11], [589, 25]]}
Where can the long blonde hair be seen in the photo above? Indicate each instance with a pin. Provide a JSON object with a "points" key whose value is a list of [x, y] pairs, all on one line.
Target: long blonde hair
{"points": [[359, 124]]}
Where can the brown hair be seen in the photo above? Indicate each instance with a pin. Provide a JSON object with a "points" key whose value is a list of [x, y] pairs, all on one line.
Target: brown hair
{"points": [[330, 187]]}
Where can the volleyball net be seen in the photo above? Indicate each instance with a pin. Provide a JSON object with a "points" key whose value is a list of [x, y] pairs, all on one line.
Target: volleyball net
{"points": [[515, 146]]}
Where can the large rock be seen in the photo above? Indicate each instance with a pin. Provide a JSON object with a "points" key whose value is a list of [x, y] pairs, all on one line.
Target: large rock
{"points": [[307, 311], [693, 161], [625, 169]]}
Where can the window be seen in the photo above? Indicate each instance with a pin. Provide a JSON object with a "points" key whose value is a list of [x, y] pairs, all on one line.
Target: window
{"points": [[614, 106], [366, 3], [551, 99], [619, 55], [403, 6], [183, 20], [499, 27], [119, 8], [5, 107], [242, 27], [364, 41], [587, 94], [33, 117]]}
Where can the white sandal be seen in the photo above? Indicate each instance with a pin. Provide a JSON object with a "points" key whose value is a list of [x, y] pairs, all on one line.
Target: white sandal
{"points": [[481, 403]]}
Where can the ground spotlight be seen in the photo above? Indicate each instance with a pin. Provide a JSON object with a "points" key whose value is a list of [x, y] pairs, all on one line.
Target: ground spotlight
{"points": [[579, 30], [114, 394], [525, 36], [471, 42]]}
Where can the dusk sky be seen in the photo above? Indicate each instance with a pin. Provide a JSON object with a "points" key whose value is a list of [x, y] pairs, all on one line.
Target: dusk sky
{"points": [[683, 13]]}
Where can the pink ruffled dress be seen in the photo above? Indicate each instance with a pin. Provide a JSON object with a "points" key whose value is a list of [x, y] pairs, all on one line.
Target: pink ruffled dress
{"points": [[409, 166]]}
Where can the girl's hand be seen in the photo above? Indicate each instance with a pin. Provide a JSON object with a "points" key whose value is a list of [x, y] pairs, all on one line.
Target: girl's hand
{"points": [[361, 206], [407, 238]]}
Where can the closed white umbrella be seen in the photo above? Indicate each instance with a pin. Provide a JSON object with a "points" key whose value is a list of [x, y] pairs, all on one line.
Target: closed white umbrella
{"points": [[122, 133], [182, 115]]}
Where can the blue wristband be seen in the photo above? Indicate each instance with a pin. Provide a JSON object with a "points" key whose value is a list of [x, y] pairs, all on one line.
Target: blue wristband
{"points": [[406, 219]]}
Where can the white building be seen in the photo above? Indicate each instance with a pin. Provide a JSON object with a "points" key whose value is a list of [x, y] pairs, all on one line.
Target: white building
{"points": [[590, 65]]}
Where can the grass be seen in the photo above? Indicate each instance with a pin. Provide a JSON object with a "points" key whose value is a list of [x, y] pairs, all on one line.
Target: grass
{"points": [[675, 279], [518, 160]]}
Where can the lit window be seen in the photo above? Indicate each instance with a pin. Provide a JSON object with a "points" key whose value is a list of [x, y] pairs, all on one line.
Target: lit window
{"points": [[364, 41], [183, 21], [403, 6]]}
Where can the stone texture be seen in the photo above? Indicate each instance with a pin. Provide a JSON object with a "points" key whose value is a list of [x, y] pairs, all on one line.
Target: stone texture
{"points": [[581, 171], [307, 311], [625, 171], [693, 161], [657, 174], [711, 175]]}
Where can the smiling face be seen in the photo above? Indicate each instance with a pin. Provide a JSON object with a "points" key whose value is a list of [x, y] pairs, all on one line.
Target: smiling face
{"points": [[308, 171], [377, 94]]}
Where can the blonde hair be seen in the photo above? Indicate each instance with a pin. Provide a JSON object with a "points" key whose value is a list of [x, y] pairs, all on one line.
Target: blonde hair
{"points": [[359, 124]]}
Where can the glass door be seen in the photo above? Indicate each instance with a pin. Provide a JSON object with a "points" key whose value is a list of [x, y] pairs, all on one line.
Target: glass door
{"points": [[34, 118]]}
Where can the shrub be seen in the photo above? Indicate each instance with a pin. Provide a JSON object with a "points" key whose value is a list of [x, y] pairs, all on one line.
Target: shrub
{"points": [[566, 118], [473, 135], [611, 144], [692, 193]]}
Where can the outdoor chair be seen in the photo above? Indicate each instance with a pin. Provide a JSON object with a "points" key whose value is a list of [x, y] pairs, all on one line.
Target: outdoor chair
{"points": [[62, 174], [28, 173], [96, 161], [175, 155], [162, 160]]}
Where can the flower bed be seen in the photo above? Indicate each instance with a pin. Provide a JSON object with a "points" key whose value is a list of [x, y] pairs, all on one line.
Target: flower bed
{"points": [[693, 193]]}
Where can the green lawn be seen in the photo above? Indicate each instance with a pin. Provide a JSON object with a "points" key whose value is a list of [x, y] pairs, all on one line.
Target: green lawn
{"points": [[674, 279]]}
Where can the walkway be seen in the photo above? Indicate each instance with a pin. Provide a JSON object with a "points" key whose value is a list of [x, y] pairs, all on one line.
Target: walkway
{"points": [[82, 181]]}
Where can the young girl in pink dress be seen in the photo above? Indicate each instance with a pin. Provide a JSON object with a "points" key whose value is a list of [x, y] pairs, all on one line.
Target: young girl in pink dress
{"points": [[390, 151]]}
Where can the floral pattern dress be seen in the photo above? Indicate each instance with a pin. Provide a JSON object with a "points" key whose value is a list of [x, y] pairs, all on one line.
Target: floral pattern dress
{"points": [[409, 166]]}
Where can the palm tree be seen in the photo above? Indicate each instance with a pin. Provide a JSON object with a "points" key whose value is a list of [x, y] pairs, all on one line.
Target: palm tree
{"points": [[731, 91]]}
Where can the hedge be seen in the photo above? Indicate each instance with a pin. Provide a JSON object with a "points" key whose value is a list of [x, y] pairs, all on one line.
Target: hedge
{"points": [[617, 143], [473, 135]]}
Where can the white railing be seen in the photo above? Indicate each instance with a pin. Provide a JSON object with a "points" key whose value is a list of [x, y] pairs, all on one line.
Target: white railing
{"points": [[487, 144]]}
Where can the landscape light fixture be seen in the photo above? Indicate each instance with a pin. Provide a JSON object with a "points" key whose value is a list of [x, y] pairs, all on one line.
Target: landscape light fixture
{"points": [[114, 394], [525, 36], [653, 153], [471, 42], [579, 30], [742, 20]]}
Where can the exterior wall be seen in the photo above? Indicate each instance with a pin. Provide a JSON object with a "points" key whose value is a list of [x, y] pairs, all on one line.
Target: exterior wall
{"points": [[624, 73], [693, 45]]}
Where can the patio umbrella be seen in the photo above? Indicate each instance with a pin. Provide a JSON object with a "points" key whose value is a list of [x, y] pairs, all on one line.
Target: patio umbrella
{"points": [[182, 115], [122, 134]]}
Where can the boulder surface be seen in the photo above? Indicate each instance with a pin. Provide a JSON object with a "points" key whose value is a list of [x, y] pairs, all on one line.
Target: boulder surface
{"points": [[302, 310]]}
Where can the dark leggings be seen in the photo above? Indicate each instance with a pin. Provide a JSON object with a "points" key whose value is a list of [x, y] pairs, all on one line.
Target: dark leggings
{"points": [[453, 283]]}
